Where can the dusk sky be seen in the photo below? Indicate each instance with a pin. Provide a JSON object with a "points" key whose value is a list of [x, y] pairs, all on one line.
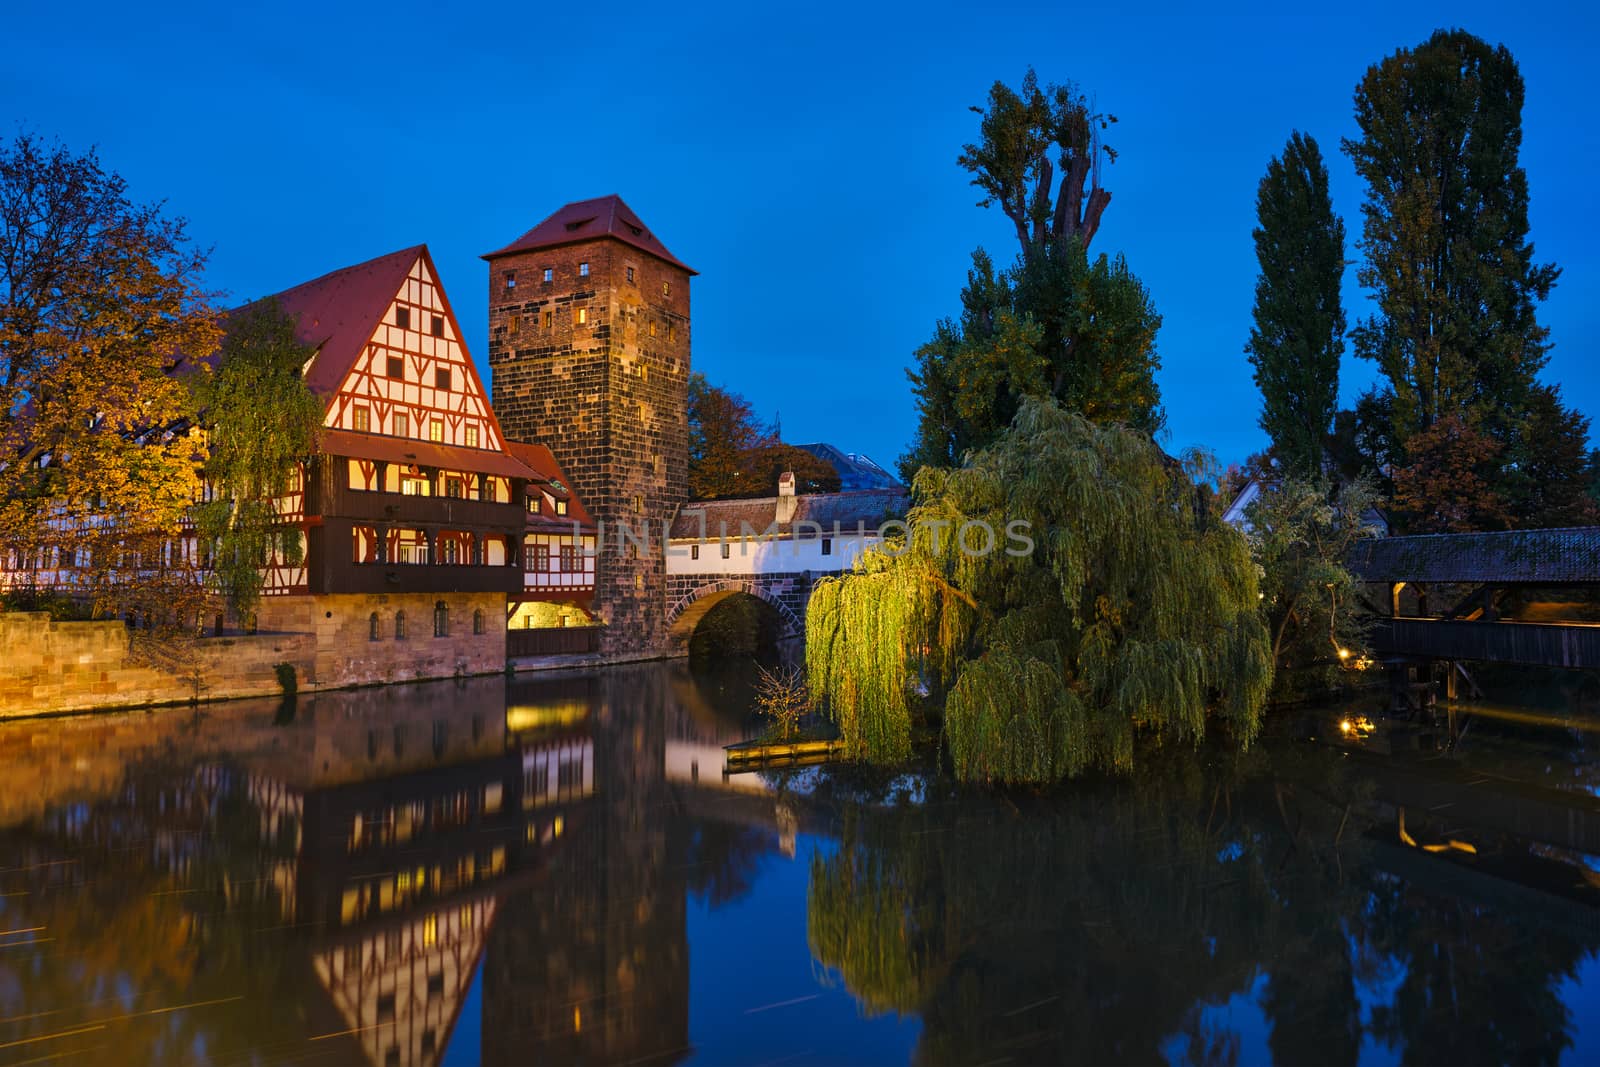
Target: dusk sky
{"points": [[801, 158]]}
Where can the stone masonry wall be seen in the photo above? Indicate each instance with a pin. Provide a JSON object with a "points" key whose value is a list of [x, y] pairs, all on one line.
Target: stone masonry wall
{"points": [[54, 666], [80, 666], [346, 654], [609, 397]]}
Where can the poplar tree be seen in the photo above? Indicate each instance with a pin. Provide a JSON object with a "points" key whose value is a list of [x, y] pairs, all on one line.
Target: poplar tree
{"points": [[1445, 233], [1298, 336]]}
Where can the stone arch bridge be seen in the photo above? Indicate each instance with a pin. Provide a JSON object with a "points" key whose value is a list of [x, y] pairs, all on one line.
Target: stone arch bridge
{"points": [[691, 596]]}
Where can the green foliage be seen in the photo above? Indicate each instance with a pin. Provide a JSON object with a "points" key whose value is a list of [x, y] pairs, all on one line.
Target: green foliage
{"points": [[760, 468], [1061, 326], [1298, 334], [261, 422], [1013, 164], [1445, 232], [1132, 612], [1301, 535]]}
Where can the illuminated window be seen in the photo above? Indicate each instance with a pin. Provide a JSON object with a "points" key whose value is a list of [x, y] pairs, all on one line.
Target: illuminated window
{"points": [[402, 318], [430, 931], [549, 274], [441, 378], [361, 419], [672, 332], [413, 486], [666, 288], [561, 507], [511, 279], [402, 424], [630, 275], [436, 429], [580, 316], [549, 320], [395, 368], [472, 437], [514, 326], [583, 270], [437, 326], [652, 328]]}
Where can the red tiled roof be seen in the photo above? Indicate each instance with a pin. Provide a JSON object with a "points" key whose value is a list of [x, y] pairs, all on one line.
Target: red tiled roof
{"points": [[585, 220], [549, 472], [406, 450]]}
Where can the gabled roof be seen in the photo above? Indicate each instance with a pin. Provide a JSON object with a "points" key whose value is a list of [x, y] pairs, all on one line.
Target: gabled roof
{"points": [[549, 477], [586, 220], [338, 312], [1540, 556], [856, 471]]}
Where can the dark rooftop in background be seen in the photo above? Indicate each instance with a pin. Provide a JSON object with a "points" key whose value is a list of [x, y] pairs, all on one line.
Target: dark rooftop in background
{"points": [[585, 220]]}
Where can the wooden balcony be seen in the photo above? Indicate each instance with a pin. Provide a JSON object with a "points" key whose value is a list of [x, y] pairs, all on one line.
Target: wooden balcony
{"points": [[397, 509]]}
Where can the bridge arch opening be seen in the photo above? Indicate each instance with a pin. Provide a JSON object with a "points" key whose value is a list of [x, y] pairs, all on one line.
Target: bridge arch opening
{"points": [[731, 622]]}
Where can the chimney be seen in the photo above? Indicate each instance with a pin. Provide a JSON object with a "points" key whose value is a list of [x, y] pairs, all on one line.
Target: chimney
{"points": [[786, 500]]}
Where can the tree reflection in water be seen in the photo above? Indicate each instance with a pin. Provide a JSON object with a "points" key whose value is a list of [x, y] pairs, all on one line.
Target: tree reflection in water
{"points": [[545, 844], [1095, 925]]}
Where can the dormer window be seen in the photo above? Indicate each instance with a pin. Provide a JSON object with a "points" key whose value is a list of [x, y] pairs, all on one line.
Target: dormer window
{"points": [[402, 318]]}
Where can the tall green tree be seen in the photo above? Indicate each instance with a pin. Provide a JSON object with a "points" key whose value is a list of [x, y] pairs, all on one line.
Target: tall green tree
{"points": [[1067, 590], [261, 421], [1298, 334], [1056, 324], [1445, 233]]}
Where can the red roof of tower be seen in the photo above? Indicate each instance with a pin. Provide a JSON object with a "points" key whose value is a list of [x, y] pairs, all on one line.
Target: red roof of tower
{"points": [[586, 220]]}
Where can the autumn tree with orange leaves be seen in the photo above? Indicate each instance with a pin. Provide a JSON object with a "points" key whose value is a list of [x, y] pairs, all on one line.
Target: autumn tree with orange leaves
{"points": [[1448, 484], [98, 295]]}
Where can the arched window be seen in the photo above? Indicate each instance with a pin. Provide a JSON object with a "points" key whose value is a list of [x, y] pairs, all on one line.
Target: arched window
{"points": [[399, 626], [441, 620], [375, 628], [477, 621]]}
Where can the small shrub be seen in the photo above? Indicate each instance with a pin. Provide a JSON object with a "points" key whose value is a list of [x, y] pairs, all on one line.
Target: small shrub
{"points": [[781, 696]]}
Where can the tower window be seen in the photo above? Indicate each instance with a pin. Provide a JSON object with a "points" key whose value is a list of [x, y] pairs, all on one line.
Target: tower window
{"points": [[583, 270], [580, 316], [395, 368], [472, 437], [652, 328], [666, 288], [511, 279], [630, 275], [549, 275], [441, 378], [437, 326], [402, 318], [436, 429], [360, 419], [549, 320], [672, 332]]}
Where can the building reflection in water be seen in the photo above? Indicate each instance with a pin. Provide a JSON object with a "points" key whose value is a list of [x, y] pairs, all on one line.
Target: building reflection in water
{"points": [[510, 867]]}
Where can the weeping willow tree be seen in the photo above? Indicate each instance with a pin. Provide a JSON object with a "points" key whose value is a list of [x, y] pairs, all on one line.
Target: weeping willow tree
{"points": [[1065, 591], [261, 420]]}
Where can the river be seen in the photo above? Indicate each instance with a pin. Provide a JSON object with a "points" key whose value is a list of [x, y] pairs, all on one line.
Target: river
{"points": [[556, 870]]}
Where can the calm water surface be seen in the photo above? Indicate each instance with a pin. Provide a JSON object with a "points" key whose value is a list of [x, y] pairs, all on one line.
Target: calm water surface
{"points": [[558, 871]]}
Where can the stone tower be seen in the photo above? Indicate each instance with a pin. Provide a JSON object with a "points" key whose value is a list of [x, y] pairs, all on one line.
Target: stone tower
{"points": [[589, 345]]}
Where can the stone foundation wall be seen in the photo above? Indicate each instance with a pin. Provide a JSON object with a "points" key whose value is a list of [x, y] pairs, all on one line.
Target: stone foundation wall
{"points": [[49, 666], [346, 653]]}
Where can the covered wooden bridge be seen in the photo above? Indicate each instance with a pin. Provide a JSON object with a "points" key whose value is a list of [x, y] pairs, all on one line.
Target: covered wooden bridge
{"points": [[1528, 597]]}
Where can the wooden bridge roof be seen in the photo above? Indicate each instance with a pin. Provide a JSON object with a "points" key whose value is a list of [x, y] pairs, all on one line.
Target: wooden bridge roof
{"points": [[1550, 557]]}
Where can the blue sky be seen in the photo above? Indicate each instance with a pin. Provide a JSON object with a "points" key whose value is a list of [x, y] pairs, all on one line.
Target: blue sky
{"points": [[801, 157]]}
